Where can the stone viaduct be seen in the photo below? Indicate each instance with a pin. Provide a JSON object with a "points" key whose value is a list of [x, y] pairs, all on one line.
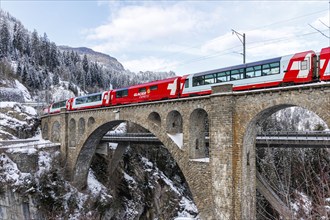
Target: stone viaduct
{"points": [[223, 187]]}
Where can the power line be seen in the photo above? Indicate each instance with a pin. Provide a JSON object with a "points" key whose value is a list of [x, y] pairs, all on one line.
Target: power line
{"points": [[229, 50], [258, 28], [224, 51]]}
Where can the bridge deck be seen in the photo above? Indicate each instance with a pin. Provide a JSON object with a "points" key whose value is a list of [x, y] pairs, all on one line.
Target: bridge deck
{"points": [[286, 139]]}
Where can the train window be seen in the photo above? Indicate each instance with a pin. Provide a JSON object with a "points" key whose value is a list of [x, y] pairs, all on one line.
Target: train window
{"points": [[237, 74], [209, 79], [80, 100], [198, 81], [121, 93], [265, 69], [142, 89], [275, 68], [153, 88], [304, 65], [271, 68], [249, 72], [257, 71], [186, 83], [94, 98], [59, 104], [223, 76]]}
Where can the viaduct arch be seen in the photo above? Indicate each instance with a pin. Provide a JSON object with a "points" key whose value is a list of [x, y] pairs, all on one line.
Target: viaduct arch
{"points": [[224, 187]]}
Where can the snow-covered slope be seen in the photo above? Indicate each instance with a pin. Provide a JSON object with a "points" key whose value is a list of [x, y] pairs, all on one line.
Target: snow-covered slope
{"points": [[17, 121]]}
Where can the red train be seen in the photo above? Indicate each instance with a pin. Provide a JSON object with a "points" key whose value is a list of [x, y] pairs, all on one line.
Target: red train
{"points": [[299, 68]]}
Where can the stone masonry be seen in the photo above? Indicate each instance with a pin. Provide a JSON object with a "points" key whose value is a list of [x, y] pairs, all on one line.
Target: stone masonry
{"points": [[224, 187]]}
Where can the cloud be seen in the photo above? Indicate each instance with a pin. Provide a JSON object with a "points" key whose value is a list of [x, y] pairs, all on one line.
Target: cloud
{"points": [[149, 64], [169, 35], [132, 25]]}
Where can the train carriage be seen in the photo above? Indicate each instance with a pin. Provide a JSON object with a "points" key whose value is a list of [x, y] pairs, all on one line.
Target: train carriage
{"points": [[262, 74], [95, 100], [152, 91], [56, 107], [324, 69]]}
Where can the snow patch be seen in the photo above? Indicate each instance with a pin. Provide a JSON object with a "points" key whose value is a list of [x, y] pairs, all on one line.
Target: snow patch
{"points": [[93, 184], [21, 87], [9, 171], [203, 160], [177, 138], [121, 128]]}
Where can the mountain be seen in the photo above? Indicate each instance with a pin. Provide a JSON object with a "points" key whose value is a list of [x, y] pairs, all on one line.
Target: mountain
{"points": [[34, 69], [105, 60], [40, 65]]}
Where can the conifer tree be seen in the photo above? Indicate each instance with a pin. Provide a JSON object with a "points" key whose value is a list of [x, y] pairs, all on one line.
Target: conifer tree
{"points": [[4, 38]]}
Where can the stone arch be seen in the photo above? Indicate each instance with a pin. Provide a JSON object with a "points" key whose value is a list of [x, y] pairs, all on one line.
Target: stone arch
{"points": [[154, 117], [45, 131], [198, 129], [174, 122], [248, 164], [85, 157], [81, 127], [72, 133], [56, 132], [87, 151]]}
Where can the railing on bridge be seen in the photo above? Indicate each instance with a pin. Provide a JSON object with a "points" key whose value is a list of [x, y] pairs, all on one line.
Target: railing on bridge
{"points": [[26, 143], [147, 138], [306, 139], [298, 139]]}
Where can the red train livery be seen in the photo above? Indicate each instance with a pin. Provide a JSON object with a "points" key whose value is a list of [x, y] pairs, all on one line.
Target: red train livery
{"points": [[299, 68]]}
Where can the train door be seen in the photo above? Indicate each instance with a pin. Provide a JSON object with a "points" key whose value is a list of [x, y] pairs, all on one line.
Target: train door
{"points": [[185, 85], [69, 104], [106, 98], [324, 67]]}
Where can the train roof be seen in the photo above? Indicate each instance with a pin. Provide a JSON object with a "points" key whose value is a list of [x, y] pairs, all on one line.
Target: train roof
{"points": [[88, 95], [156, 82], [238, 66]]}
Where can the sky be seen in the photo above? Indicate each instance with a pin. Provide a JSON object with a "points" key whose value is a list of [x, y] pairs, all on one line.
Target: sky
{"points": [[181, 36]]}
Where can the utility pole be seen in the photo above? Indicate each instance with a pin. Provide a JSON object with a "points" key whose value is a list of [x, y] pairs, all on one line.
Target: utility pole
{"points": [[241, 37]]}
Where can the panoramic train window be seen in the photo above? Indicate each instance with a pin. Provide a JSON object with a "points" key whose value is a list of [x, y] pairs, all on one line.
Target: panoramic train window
{"points": [[94, 98], [271, 68], [80, 100], [209, 79], [223, 76], [257, 71], [59, 104], [237, 74], [121, 93], [198, 80]]}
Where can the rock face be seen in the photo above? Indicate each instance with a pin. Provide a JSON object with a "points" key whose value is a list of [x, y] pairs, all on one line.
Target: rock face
{"points": [[136, 182], [147, 184], [14, 206], [17, 121]]}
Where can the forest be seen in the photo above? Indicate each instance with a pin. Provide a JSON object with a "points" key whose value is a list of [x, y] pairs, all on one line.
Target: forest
{"points": [[39, 63]]}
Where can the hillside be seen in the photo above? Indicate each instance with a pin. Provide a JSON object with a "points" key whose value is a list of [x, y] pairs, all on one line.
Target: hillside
{"points": [[105, 60], [40, 65]]}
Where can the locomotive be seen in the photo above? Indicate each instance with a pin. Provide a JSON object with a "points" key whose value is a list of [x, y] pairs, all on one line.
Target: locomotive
{"points": [[299, 68]]}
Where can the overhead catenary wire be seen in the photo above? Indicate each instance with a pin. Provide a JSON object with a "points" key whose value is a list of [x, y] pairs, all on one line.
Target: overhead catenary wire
{"points": [[225, 52], [230, 50]]}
